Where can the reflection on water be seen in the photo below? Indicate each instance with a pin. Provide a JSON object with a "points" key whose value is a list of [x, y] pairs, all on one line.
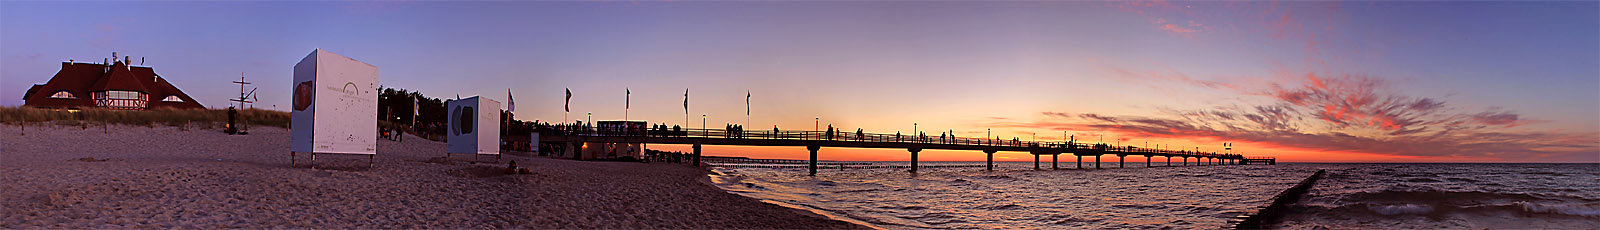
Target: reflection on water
{"points": [[1015, 196]]}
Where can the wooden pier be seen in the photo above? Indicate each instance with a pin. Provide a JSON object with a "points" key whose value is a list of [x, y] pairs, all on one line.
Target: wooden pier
{"points": [[574, 139]]}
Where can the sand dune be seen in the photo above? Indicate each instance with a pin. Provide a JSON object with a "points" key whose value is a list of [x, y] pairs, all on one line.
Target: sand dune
{"points": [[165, 177]]}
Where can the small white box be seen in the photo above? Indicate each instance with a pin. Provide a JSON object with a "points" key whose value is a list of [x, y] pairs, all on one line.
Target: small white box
{"points": [[474, 126]]}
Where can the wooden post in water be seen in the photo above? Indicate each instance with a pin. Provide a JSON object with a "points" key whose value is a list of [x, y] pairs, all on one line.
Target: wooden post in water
{"points": [[812, 148], [1122, 161], [1169, 160], [1147, 161]]}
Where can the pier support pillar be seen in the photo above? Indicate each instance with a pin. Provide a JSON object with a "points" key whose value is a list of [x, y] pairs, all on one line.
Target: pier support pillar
{"points": [[697, 156], [1147, 161], [1080, 161], [991, 159], [1096, 161], [914, 152], [813, 149], [1122, 161], [1185, 161], [1035, 161], [1054, 158]]}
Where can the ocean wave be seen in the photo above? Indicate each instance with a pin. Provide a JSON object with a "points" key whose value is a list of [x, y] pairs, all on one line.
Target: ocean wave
{"points": [[1526, 208], [1400, 209], [1564, 209], [1436, 196]]}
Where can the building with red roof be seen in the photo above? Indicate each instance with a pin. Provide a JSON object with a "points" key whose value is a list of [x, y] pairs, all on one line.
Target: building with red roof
{"points": [[117, 85]]}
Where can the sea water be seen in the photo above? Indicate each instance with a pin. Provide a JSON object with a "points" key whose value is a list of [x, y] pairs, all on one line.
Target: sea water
{"points": [[1015, 195]]}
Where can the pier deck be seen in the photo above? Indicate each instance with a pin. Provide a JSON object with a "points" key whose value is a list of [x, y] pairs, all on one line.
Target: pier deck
{"points": [[815, 140]]}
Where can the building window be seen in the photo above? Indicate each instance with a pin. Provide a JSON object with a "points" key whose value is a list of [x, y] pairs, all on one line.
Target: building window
{"points": [[121, 99], [172, 98], [63, 94], [123, 94]]}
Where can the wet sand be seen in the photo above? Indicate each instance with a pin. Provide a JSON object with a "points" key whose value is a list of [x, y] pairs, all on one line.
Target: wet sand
{"points": [[166, 177]]}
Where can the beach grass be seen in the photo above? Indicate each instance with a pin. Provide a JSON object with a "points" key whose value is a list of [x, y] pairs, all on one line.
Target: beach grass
{"points": [[205, 118]]}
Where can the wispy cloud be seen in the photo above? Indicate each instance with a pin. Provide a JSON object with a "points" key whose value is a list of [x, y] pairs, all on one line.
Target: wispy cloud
{"points": [[1314, 107], [1347, 113]]}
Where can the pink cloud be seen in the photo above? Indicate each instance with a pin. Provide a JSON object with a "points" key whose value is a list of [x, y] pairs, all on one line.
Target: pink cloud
{"points": [[1177, 29], [1343, 114]]}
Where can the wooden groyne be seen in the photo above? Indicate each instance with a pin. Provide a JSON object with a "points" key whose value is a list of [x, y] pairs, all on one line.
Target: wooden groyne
{"points": [[1266, 214]]}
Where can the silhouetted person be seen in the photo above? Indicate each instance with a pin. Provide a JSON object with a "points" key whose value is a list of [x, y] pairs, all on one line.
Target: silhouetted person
{"points": [[232, 126], [858, 134]]}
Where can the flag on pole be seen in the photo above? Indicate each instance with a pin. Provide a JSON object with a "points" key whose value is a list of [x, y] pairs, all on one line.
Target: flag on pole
{"points": [[569, 100], [747, 103], [511, 104], [685, 101], [627, 98]]}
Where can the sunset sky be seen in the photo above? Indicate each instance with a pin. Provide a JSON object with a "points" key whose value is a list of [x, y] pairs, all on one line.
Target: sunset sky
{"points": [[1303, 81]]}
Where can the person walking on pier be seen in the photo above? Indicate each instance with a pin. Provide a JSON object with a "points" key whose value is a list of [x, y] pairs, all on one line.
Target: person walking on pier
{"points": [[829, 134], [952, 135], [858, 134]]}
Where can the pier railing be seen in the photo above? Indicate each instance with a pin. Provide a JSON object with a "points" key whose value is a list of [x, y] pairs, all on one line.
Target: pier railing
{"points": [[850, 137]]}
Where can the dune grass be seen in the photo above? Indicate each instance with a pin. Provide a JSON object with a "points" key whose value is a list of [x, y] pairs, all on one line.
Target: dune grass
{"points": [[205, 118]]}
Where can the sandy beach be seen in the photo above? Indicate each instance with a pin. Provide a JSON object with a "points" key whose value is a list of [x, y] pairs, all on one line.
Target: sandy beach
{"points": [[167, 177]]}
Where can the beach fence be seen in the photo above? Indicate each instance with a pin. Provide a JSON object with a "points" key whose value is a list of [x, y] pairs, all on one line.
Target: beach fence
{"points": [[335, 107]]}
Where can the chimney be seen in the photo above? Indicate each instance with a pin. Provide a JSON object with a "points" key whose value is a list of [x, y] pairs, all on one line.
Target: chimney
{"points": [[113, 56], [71, 62], [141, 60]]}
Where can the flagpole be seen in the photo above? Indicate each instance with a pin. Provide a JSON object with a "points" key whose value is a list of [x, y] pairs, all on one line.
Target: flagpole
{"points": [[627, 98], [747, 108]]}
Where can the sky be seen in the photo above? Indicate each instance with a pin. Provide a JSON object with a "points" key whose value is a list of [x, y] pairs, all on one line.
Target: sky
{"points": [[1302, 81]]}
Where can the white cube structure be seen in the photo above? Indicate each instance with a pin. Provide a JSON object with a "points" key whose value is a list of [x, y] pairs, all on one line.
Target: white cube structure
{"points": [[474, 126], [335, 108]]}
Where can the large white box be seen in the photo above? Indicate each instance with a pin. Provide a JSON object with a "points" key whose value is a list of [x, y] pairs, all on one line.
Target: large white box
{"points": [[335, 108], [474, 126]]}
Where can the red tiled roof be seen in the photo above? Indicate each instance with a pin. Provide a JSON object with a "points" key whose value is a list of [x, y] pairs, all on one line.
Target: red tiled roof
{"points": [[80, 79], [118, 78]]}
